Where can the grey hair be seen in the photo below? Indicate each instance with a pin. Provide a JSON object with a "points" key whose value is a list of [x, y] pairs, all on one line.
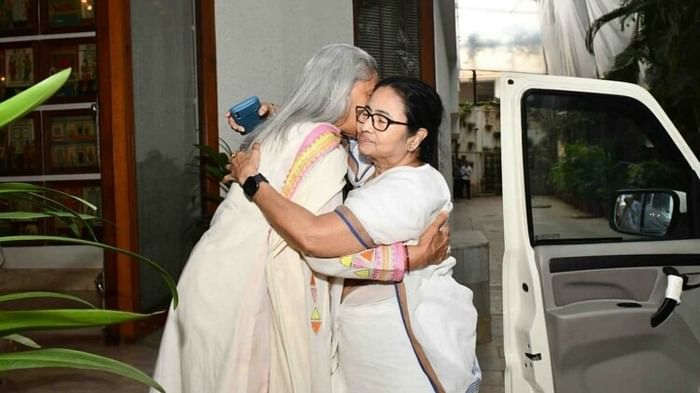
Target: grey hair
{"points": [[322, 92]]}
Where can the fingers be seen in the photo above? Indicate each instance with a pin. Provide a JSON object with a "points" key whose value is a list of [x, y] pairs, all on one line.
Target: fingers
{"points": [[245, 155], [441, 219], [440, 223], [243, 163], [267, 109], [232, 123], [445, 230]]}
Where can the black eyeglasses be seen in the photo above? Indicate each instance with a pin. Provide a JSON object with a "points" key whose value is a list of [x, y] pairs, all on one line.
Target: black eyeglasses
{"points": [[379, 121]]}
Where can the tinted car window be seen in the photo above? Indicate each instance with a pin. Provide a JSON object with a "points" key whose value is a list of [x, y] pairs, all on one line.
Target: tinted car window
{"points": [[581, 149]]}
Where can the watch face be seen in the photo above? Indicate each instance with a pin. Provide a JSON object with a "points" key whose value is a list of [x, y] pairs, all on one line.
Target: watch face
{"points": [[250, 186], [252, 183]]}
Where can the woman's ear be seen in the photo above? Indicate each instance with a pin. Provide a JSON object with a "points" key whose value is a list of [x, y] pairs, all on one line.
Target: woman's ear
{"points": [[415, 140]]}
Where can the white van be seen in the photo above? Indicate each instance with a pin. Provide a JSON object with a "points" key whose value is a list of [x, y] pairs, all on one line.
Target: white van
{"points": [[601, 210]]}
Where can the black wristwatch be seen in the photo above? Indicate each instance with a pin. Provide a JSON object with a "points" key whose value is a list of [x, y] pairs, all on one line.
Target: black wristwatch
{"points": [[252, 183]]}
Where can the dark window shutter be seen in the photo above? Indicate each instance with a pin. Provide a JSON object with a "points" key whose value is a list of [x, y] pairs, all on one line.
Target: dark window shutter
{"points": [[388, 30]]}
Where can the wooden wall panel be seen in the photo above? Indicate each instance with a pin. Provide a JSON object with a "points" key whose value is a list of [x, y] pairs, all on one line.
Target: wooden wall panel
{"points": [[117, 159], [207, 93], [426, 38]]}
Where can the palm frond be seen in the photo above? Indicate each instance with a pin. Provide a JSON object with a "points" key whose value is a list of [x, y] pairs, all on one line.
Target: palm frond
{"points": [[57, 357], [22, 340], [43, 295], [628, 9], [12, 322], [6, 188], [17, 106]]}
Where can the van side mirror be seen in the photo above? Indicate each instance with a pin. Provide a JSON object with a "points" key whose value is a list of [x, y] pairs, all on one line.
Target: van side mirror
{"points": [[646, 212]]}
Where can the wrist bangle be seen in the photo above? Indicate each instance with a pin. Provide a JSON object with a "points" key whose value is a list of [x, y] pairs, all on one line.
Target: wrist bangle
{"points": [[408, 260]]}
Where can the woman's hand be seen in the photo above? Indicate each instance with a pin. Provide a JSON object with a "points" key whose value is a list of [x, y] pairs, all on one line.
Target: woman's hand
{"points": [[266, 110], [243, 164], [433, 246]]}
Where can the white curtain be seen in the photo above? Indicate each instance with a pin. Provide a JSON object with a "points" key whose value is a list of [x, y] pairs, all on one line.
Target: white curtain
{"points": [[564, 25]]}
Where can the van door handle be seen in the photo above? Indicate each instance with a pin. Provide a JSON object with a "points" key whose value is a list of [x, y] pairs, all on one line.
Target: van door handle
{"points": [[533, 356], [674, 288]]}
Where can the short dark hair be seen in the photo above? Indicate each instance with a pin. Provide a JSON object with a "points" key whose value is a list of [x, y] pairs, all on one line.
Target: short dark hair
{"points": [[423, 109]]}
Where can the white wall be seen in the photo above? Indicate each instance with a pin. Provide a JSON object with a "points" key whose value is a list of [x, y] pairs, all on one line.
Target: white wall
{"points": [[262, 45], [446, 80]]}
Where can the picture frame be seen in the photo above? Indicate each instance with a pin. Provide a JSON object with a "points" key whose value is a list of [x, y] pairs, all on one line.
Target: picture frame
{"points": [[18, 69], [18, 17], [81, 55], [72, 142], [21, 147], [67, 16]]}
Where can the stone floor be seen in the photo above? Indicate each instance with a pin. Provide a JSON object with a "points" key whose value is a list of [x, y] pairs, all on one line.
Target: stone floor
{"points": [[481, 214], [485, 214]]}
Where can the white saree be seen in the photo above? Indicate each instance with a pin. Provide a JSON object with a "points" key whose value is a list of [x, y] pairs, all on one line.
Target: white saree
{"points": [[253, 317], [374, 351]]}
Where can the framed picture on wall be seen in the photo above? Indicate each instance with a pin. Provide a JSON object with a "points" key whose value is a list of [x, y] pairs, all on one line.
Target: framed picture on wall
{"points": [[21, 147], [63, 16], [18, 17], [79, 54], [17, 68], [71, 142]]}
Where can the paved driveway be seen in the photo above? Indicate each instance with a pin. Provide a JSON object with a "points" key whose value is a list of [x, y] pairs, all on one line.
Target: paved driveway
{"points": [[485, 214]]}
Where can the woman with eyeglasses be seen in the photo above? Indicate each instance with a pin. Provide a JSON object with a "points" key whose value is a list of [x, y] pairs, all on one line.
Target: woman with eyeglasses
{"points": [[414, 336], [253, 317]]}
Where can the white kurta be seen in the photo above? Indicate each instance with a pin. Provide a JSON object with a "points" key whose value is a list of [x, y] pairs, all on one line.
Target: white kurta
{"points": [[374, 352], [247, 301]]}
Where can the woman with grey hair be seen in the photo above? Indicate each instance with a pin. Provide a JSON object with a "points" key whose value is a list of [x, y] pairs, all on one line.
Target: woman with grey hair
{"points": [[253, 315], [418, 335]]}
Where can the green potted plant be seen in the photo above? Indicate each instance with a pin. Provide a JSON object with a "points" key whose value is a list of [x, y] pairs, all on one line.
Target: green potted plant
{"points": [[465, 109], [13, 323]]}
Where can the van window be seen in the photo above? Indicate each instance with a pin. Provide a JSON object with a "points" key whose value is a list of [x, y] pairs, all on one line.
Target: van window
{"points": [[581, 150]]}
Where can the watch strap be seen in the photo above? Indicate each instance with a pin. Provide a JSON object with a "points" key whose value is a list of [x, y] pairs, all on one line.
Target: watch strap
{"points": [[252, 184]]}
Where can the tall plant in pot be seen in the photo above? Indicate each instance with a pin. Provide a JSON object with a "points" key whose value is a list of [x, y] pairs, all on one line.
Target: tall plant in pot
{"points": [[15, 323]]}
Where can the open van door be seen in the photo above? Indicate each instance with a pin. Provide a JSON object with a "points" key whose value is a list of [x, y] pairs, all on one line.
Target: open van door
{"points": [[601, 210]]}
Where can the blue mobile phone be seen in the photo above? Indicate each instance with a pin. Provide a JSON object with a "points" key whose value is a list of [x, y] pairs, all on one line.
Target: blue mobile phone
{"points": [[245, 113]]}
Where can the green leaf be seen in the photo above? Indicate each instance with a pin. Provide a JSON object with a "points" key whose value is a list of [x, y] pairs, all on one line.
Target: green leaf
{"points": [[164, 273], [36, 295], [206, 150], [58, 357], [28, 320], [35, 195], [28, 216], [29, 188], [20, 339], [17, 106]]}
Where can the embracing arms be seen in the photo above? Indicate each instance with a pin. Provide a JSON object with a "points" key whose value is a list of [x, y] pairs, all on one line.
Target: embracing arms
{"points": [[327, 235]]}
